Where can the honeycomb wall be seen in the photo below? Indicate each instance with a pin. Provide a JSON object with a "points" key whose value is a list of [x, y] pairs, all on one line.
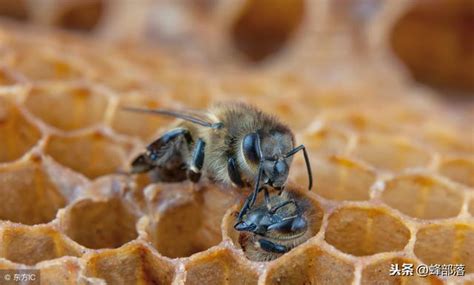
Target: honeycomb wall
{"points": [[392, 167]]}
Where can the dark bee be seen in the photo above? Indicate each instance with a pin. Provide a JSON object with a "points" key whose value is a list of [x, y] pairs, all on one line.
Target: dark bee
{"points": [[231, 143], [274, 227]]}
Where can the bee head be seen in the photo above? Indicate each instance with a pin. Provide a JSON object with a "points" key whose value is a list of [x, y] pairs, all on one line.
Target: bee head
{"points": [[269, 150]]}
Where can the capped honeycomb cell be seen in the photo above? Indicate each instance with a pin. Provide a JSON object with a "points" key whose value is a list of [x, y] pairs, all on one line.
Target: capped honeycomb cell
{"points": [[140, 124], [310, 265], [446, 244], [28, 195], [29, 246], [339, 178], [68, 106], [133, 263], [17, 134], [191, 221], [460, 170], [366, 231], [99, 224], [92, 154], [423, 197], [391, 153], [220, 266]]}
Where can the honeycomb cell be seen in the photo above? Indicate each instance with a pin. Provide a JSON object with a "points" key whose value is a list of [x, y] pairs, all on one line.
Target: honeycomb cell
{"points": [[378, 272], [422, 197], [17, 133], [17, 10], [9, 77], [67, 107], [28, 195], [339, 178], [92, 154], [99, 224], [310, 265], [460, 170], [219, 266], [136, 124], [471, 207], [446, 244], [391, 153], [81, 15], [42, 64], [131, 264], [189, 222], [66, 271], [30, 245], [326, 141], [366, 231], [262, 28]]}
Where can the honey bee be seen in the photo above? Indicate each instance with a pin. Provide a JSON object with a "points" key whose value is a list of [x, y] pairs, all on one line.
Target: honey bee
{"points": [[274, 227], [231, 143]]}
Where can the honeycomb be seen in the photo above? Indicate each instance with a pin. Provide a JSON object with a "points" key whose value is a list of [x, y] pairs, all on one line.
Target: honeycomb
{"points": [[393, 168]]}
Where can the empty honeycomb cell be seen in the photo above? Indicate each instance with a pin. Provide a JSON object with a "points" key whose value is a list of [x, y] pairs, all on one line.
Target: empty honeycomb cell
{"points": [[17, 134], [423, 197], [28, 195], [366, 231], [378, 272], [67, 107], [99, 224], [64, 271], [391, 153], [310, 265], [133, 263], [29, 246], [262, 28], [137, 124], [190, 223], [448, 140], [219, 266], [446, 244], [92, 154], [460, 170], [81, 15], [340, 178], [44, 65], [326, 141]]}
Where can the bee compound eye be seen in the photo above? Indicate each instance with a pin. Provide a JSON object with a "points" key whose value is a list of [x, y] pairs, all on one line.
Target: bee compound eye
{"points": [[249, 147]]}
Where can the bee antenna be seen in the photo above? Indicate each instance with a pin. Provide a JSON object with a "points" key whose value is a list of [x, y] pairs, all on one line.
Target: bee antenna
{"points": [[306, 159]]}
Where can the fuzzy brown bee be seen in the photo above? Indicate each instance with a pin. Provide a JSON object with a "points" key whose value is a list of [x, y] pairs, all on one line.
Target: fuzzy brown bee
{"points": [[274, 227], [231, 143]]}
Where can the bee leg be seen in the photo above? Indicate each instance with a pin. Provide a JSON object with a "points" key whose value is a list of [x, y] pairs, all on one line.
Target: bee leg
{"points": [[267, 199], [194, 171], [290, 224], [272, 247], [234, 174]]}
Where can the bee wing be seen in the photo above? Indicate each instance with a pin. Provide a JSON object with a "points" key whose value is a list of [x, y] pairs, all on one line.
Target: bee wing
{"points": [[204, 119]]}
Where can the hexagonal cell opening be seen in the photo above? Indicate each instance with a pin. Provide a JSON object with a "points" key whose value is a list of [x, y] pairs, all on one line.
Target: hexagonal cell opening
{"points": [[391, 153], [339, 178], [446, 244], [366, 231], [43, 65], [99, 224], [310, 265], [82, 16], [262, 28], [130, 264], [185, 221], [460, 170], [305, 204], [29, 245], [219, 267], [28, 195], [67, 107], [422, 197], [93, 154], [136, 124], [18, 134], [443, 58]]}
